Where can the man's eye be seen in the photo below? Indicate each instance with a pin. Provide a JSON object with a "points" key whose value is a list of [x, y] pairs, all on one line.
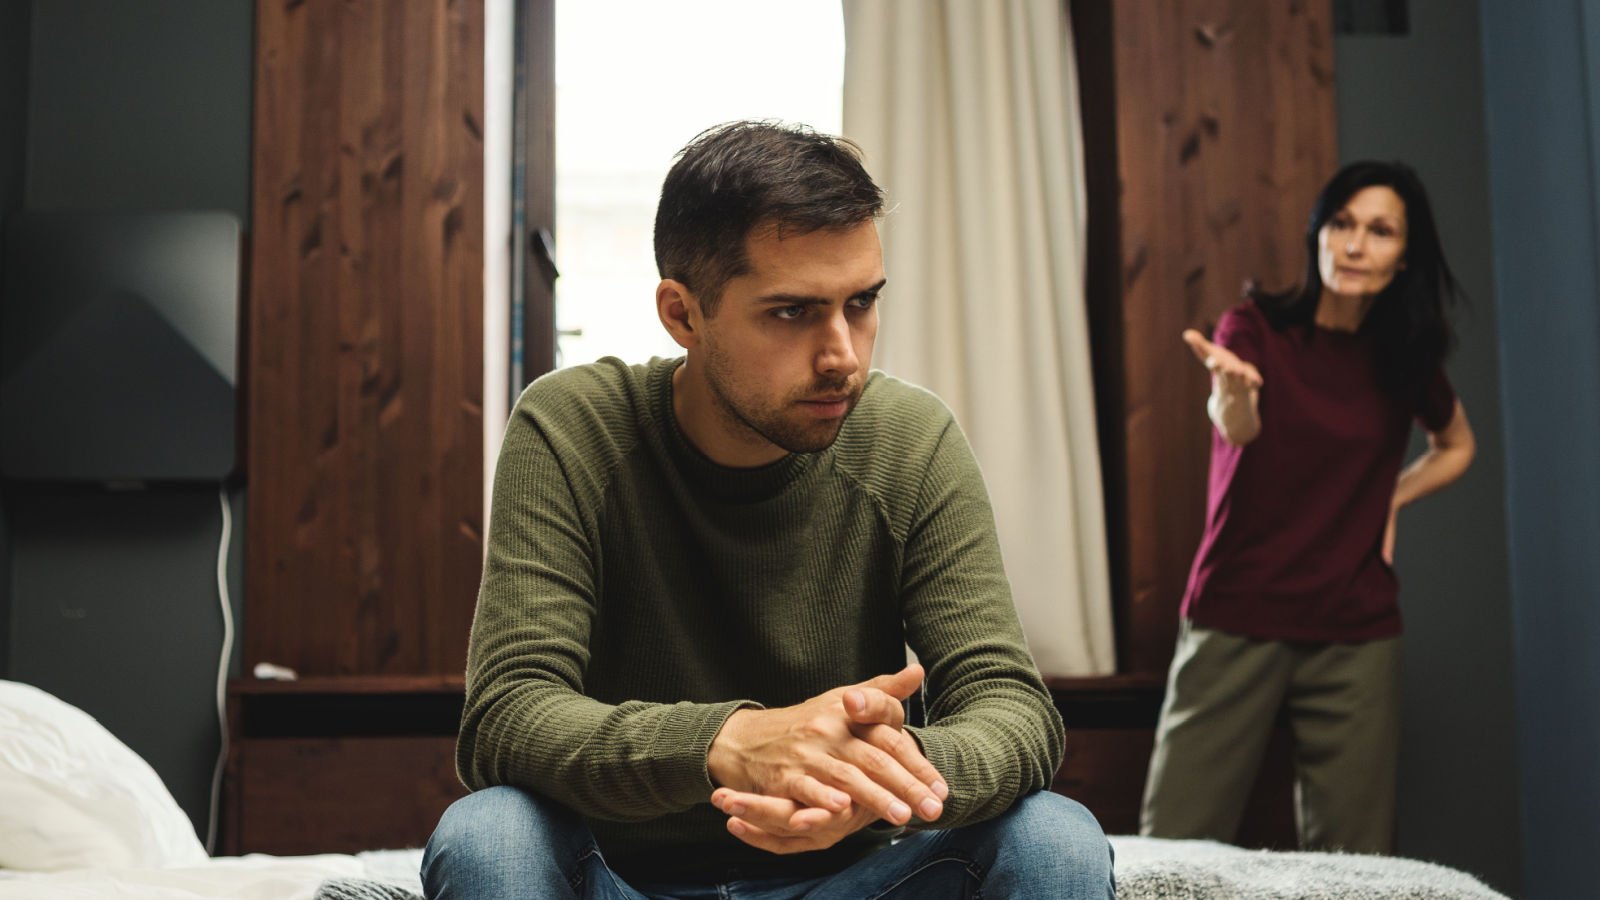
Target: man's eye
{"points": [[789, 313]]}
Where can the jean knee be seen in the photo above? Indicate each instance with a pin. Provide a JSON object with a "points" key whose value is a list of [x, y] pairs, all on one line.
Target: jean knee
{"points": [[1048, 829], [485, 834], [502, 809], [1048, 811]]}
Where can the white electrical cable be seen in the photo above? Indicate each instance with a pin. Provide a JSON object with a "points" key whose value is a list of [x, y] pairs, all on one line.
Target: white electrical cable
{"points": [[222, 664]]}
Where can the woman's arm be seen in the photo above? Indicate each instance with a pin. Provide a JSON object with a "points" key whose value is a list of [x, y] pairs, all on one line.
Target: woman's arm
{"points": [[1235, 390], [1450, 452]]}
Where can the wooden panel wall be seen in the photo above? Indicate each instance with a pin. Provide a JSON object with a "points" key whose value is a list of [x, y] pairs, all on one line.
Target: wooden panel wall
{"points": [[1225, 130], [365, 333]]}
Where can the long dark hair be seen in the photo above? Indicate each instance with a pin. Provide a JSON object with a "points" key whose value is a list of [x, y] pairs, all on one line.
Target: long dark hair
{"points": [[1409, 319]]}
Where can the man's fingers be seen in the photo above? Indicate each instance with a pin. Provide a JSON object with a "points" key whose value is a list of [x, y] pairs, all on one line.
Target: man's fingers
{"points": [[900, 685], [771, 814], [816, 839], [877, 782], [904, 748], [825, 833], [868, 793], [754, 836], [809, 819], [782, 817], [887, 771], [871, 706], [811, 792]]}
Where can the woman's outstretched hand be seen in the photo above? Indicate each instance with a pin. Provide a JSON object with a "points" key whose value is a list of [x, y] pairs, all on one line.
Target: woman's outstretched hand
{"points": [[1233, 373], [1235, 386]]}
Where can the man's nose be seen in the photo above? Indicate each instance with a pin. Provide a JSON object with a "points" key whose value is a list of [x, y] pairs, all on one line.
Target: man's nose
{"points": [[838, 351]]}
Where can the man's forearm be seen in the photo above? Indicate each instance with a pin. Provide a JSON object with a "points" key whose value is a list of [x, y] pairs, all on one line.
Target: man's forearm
{"points": [[994, 753], [627, 762]]}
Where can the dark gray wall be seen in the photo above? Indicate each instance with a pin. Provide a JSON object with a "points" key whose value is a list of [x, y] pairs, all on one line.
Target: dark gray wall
{"points": [[140, 105], [115, 609], [113, 597], [1419, 98], [1542, 73], [14, 19]]}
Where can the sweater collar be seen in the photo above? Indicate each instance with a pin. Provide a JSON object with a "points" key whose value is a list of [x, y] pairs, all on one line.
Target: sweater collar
{"points": [[727, 484]]}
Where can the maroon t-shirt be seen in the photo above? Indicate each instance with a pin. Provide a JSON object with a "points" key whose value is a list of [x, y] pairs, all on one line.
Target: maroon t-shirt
{"points": [[1293, 546]]}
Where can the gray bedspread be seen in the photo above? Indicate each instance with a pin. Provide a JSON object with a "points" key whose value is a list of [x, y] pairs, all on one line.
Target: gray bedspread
{"points": [[1155, 869], [1147, 869]]}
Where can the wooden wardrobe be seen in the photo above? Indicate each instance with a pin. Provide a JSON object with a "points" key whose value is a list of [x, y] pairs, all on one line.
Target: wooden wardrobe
{"points": [[364, 361]]}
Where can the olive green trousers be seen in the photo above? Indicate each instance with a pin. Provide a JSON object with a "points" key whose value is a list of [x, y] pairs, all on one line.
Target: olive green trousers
{"points": [[1223, 694]]}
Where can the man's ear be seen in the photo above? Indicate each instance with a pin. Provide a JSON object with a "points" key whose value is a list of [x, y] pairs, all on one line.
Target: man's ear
{"points": [[679, 311]]}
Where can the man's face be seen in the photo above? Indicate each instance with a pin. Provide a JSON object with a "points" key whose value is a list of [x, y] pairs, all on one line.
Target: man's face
{"points": [[788, 350]]}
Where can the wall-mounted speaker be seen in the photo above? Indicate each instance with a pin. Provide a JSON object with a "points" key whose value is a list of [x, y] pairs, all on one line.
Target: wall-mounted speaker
{"points": [[118, 346]]}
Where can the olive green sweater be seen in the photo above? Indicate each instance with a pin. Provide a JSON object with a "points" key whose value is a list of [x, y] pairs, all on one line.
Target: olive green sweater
{"points": [[636, 594]]}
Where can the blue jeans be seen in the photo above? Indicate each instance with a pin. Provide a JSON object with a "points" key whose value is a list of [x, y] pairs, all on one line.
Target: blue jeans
{"points": [[506, 843]]}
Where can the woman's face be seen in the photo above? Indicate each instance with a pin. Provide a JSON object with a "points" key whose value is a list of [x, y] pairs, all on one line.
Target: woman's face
{"points": [[1362, 246]]}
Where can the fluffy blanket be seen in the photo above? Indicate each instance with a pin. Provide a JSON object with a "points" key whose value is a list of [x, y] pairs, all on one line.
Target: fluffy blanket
{"points": [[392, 875], [1147, 869], [1155, 869]]}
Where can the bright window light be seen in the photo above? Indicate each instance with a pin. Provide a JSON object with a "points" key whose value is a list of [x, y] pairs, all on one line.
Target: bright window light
{"points": [[635, 81]]}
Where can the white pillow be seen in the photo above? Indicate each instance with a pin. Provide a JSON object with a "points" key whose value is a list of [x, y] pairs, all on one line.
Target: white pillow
{"points": [[72, 796]]}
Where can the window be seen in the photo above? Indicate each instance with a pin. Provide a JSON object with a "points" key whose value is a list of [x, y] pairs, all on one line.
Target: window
{"points": [[635, 81]]}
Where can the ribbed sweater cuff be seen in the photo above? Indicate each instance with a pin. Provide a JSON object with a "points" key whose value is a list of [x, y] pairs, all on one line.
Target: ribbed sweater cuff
{"points": [[684, 744], [939, 747], [967, 795]]}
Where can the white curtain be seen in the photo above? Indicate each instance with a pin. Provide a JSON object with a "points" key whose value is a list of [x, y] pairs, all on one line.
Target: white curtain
{"points": [[968, 115]]}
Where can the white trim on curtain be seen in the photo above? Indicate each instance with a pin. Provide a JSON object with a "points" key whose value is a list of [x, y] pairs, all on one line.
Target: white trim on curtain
{"points": [[968, 116]]}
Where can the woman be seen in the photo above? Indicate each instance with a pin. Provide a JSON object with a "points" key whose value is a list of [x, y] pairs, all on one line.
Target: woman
{"points": [[1291, 603]]}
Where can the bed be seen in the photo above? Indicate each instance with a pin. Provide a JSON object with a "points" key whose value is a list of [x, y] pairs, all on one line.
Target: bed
{"points": [[388, 874], [82, 816], [1147, 869]]}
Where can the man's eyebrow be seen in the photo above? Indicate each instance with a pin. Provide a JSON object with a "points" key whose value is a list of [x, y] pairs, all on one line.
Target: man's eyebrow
{"points": [[810, 300], [792, 300]]}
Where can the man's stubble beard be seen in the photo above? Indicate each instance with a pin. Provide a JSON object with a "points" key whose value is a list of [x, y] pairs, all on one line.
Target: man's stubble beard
{"points": [[772, 425]]}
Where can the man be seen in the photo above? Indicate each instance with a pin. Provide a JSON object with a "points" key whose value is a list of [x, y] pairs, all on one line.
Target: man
{"points": [[687, 669]]}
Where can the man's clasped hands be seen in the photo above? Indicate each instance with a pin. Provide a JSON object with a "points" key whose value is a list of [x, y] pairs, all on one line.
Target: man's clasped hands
{"points": [[804, 777]]}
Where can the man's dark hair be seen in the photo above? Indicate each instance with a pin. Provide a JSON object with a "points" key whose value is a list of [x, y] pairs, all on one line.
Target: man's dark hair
{"points": [[739, 176]]}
